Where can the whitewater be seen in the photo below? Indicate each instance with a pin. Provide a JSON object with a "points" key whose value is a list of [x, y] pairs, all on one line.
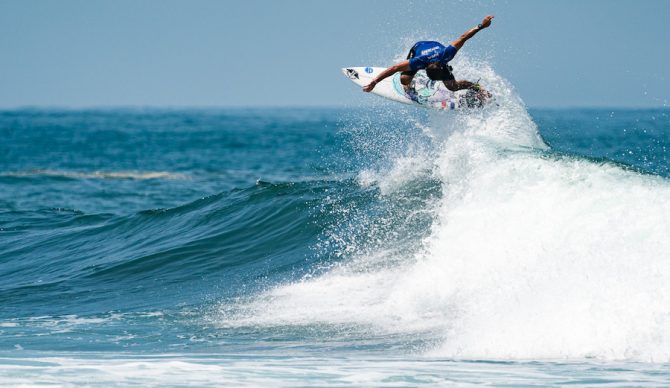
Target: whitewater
{"points": [[532, 255], [317, 247]]}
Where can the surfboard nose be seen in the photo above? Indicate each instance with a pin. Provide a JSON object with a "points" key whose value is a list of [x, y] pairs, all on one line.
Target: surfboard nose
{"points": [[350, 73]]}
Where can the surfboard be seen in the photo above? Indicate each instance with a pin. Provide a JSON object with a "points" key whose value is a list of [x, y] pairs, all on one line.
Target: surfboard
{"points": [[423, 91]]}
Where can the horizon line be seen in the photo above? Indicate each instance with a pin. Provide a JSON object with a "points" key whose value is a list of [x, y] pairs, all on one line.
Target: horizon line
{"points": [[297, 106]]}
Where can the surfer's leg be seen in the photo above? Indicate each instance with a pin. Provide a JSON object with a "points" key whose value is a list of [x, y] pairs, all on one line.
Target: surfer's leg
{"points": [[480, 93], [406, 78], [454, 85], [443, 73]]}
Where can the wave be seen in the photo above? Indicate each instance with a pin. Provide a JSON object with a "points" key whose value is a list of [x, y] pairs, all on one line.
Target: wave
{"points": [[135, 175], [530, 254], [472, 239], [261, 231]]}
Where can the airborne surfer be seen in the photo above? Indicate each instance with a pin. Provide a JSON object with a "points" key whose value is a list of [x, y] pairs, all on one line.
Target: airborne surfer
{"points": [[434, 57]]}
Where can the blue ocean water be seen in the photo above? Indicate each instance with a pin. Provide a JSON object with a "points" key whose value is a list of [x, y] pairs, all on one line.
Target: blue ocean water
{"points": [[375, 247]]}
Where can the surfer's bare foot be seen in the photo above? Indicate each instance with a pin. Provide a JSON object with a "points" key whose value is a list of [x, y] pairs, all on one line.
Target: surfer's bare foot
{"points": [[485, 95], [480, 92]]}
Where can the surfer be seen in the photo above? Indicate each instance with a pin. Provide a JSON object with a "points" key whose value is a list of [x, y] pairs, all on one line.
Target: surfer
{"points": [[434, 57]]}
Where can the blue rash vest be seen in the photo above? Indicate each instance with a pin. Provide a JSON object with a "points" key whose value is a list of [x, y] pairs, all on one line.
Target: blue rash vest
{"points": [[427, 52]]}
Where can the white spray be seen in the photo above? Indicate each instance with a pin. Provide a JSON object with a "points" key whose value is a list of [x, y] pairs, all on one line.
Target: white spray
{"points": [[531, 255]]}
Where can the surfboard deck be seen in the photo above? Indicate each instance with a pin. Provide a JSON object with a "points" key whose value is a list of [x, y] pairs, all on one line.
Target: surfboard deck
{"points": [[423, 91]]}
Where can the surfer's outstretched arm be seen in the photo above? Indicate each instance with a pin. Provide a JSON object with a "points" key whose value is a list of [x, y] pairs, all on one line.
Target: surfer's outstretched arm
{"points": [[458, 43], [401, 66]]}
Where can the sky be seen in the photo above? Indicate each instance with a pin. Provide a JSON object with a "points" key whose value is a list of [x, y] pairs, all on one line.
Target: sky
{"points": [[167, 53]]}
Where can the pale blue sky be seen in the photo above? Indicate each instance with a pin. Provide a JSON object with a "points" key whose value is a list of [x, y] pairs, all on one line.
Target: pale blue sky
{"points": [[257, 53]]}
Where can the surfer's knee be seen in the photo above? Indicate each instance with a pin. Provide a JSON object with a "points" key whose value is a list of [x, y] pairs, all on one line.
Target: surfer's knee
{"points": [[405, 79]]}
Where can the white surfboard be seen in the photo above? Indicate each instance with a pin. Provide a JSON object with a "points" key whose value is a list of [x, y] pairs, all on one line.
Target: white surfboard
{"points": [[423, 91]]}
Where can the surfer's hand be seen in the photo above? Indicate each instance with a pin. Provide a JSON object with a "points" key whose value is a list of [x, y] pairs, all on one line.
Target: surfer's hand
{"points": [[368, 88], [487, 21]]}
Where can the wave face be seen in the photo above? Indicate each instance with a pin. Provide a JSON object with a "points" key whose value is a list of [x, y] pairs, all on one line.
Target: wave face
{"points": [[495, 234]]}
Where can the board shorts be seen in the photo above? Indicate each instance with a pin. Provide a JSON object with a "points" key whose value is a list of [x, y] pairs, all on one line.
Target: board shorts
{"points": [[436, 71]]}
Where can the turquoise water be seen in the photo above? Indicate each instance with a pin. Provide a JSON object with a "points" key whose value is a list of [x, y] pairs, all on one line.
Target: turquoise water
{"points": [[383, 247]]}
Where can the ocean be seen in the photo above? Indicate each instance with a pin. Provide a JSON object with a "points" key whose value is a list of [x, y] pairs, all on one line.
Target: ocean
{"points": [[380, 246]]}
